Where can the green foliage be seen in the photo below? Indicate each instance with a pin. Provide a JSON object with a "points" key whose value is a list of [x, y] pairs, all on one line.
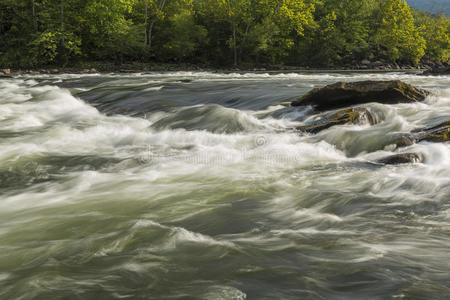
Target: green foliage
{"points": [[221, 32], [436, 32], [44, 49], [183, 36], [398, 36]]}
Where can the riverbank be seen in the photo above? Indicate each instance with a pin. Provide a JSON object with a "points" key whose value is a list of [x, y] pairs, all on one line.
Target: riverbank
{"points": [[98, 67]]}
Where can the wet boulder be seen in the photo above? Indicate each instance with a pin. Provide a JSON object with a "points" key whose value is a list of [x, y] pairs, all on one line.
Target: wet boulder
{"points": [[437, 134], [404, 140], [403, 158], [352, 115], [344, 94]]}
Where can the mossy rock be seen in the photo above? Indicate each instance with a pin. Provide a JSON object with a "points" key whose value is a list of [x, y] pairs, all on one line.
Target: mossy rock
{"points": [[344, 94], [353, 115], [437, 134]]}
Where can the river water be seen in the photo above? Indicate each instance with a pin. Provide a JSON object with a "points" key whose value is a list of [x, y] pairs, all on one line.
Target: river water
{"points": [[194, 186]]}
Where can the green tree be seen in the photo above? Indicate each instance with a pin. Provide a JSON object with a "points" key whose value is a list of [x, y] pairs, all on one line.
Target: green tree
{"points": [[436, 32], [107, 28], [221, 32], [183, 36], [284, 21], [398, 37]]}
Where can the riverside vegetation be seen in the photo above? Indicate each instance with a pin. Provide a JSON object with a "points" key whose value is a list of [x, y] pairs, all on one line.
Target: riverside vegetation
{"points": [[220, 33]]}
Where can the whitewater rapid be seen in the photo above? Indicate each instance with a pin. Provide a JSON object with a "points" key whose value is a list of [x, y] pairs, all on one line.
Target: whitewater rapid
{"points": [[178, 185]]}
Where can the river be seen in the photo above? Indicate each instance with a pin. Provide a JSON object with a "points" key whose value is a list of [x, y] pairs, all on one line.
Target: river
{"points": [[193, 185]]}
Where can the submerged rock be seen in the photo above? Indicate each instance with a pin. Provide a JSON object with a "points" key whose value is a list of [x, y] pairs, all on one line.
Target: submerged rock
{"points": [[353, 115], [438, 134], [404, 158], [342, 94]]}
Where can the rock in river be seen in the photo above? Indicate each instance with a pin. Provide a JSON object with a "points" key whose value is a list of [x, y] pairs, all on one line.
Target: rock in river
{"points": [[353, 115], [438, 70], [438, 134], [344, 94], [404, 158]]}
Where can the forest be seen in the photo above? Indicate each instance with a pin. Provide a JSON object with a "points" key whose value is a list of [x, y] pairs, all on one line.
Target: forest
{"points": [[313, 33]]}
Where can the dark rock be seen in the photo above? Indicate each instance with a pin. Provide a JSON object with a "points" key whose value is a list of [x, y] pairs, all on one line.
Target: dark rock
{"points": [[437, 134], [126, 71], [378, 63], [404, 140], [404, 158], [438, 70], [354, 115], [343, 94]]}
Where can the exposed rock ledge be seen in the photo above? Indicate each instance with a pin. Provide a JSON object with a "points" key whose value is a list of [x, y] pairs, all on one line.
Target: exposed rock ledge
{"points": [[344, 94], [352, 115]]}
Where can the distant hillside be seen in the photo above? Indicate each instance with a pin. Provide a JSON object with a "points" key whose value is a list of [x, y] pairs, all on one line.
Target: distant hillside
{"points": [[434, 6]]}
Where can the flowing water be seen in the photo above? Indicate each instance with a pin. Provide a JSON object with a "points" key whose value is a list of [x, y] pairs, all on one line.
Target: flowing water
{"points": [[195, 186]]}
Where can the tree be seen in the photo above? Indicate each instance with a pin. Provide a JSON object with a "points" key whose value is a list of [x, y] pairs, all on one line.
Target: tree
{"points": [[182, 37], [232, 12], [218, 32], [398, 38], [436, 32], [156, 10], [106, 27], [262, 25]]}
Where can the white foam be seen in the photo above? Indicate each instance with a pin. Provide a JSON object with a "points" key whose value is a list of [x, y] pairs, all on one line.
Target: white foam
{"points": [[155, 88]]}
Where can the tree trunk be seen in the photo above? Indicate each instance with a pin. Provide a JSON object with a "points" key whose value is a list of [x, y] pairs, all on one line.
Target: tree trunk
{"points": [[34, 15], [234, 45], [162, 4], [1, 21], [146, 21], [62, 22], [243, 42], [150, 32]]}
